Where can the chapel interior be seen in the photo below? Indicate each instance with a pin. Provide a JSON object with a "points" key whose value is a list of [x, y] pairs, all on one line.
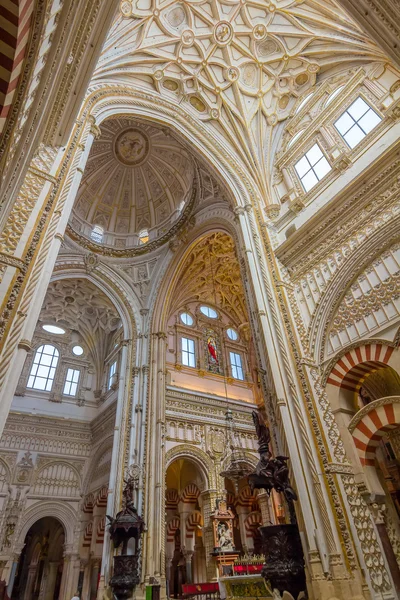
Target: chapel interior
{"points": [[199, 299]]}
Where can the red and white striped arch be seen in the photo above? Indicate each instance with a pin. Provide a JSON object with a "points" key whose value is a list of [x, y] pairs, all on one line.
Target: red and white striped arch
{"points": [[353, 367], [88, 504], [246, 497], [190, 494], [172, 527], [16, 18], [252, 522], [193, 521], [171, 499], [101, 527], [368, 432], [101, 500], [87, 536]]}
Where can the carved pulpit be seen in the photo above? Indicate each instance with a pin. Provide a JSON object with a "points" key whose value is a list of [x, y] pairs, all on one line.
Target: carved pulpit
{"points": [[225, 552]]}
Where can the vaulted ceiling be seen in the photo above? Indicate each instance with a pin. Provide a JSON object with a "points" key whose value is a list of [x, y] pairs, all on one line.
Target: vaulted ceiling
{"points": [[238, 66], [211, 273], [138, 176]]}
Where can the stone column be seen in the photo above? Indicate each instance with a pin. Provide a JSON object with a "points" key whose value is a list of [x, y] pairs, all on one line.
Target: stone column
{"points": [[51, 580], [188, 554], [85, 564], [94, 578], [116, 469], [208, 505], [242, 512], [30, 582], [154, 511]]}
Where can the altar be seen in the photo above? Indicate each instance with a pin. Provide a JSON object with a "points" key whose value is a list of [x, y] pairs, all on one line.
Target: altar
{"points": [[244, 586]]}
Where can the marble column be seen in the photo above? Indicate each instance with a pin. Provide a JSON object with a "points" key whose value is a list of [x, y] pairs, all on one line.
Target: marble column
{"points": [[188, 554], [30, 582], [51, 580], [94, 578]]}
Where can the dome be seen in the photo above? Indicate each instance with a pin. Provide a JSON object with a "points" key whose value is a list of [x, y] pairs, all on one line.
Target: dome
{"points": [[135, 186]]}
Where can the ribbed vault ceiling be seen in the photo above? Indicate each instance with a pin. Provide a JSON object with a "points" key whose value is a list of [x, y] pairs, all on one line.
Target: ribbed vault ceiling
{"points": [[239, 66]]}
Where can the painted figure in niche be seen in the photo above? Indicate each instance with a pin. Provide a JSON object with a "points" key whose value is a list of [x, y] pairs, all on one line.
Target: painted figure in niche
{"points": [[212, 350]]}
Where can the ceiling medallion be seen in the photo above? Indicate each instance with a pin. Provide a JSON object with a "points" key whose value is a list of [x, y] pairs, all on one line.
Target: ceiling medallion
{"points": [[132, 147], [223, 33]]}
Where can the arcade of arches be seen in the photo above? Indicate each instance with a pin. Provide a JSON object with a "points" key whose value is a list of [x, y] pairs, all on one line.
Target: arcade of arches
{"points": [[199, 206]]}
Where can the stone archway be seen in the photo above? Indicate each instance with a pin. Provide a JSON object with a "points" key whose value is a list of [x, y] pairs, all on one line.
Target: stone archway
{"points": [[40, 571]]}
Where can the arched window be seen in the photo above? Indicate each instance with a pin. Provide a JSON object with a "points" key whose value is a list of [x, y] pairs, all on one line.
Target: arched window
{"points": [[43, 368], [97, 234], [143, 236]]}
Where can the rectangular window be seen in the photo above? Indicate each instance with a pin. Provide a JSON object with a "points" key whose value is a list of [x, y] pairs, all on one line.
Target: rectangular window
{"points": [[356, 122], [43, 368], [71, 382], [236, 366], [188, 354], [111, 374], [312, 167]]}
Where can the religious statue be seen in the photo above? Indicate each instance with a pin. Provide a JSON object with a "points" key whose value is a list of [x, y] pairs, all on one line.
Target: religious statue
{"points": [[270, 473], [224, 536]]}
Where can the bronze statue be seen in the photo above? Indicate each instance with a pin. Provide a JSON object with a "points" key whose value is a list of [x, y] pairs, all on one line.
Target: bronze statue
{"points": [[270, 473]]}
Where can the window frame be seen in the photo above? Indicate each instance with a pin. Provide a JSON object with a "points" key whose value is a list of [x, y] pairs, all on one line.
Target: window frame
{"points": [[111, 374], [95, 235], [182, 322], [311, 169], [71, 382], [51, 367], [356, 122], [188, 352], [206, 306], [233, 365]]}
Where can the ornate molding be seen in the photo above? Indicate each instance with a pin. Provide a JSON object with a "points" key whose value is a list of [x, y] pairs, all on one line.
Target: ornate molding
{"points": [[371, 407]]}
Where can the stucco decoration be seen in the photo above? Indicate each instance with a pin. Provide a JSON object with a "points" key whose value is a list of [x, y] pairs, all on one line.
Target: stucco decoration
{"points": [[236, 65], [211, 273], [79, 305], [138, 178]]}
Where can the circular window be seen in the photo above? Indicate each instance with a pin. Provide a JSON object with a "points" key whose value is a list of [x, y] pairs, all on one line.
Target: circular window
{"points": [[209, 312], [53, 329], [232, 334], [77, 350], [186, 319]]}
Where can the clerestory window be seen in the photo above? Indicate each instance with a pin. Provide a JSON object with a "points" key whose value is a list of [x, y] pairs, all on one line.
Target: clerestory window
{"points": [[312, 167], [71, 382], [236, 365], [43, 368], [188, 352], [356, 122], [111, 374], [97, 234]]}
